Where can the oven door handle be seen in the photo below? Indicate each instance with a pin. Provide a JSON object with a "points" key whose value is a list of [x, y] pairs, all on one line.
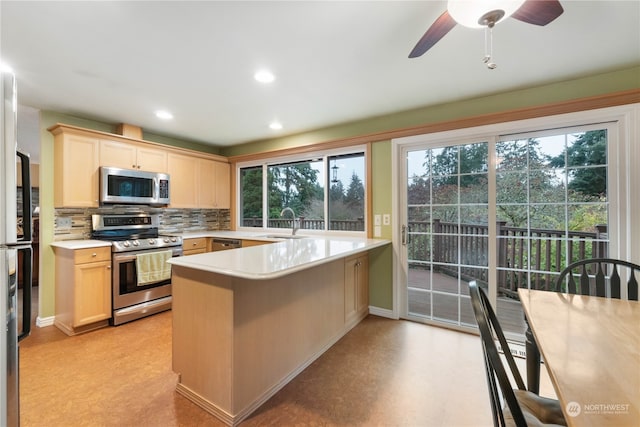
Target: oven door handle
{"points": [[132, 257]]}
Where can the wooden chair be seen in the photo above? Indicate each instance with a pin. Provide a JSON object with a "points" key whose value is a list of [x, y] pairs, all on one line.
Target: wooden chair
{"points": [[596, 276], [523, 408]]}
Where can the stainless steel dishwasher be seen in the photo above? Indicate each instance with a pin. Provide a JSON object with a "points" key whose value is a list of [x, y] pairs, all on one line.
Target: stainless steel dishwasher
{"points": [[219, 244]]}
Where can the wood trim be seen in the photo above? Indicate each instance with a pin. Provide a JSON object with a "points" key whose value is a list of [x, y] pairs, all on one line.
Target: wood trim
{"points": [[571, 106], [369, 190], [60, 128]]}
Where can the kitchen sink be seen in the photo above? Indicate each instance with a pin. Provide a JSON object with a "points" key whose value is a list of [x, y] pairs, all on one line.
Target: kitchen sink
{"points": [[283, 236]]}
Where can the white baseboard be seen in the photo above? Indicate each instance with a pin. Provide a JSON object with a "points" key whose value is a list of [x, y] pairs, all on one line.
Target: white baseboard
{"points": [[382, 312], [41, 322]]}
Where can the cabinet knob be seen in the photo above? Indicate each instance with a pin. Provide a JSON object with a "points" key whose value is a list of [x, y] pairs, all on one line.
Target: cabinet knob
{"points": [[94, 255], [133, 166], [108, 267]]}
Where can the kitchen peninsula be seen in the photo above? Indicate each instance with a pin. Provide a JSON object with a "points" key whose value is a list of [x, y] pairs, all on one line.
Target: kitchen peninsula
{"points": [[247, 321]]}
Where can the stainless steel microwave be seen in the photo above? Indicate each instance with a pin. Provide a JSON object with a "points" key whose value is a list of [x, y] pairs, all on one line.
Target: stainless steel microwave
{"points": [[124, 186]]}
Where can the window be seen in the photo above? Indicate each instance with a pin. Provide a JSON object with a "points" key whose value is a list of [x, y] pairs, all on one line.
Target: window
{"points": [[326, 192]]}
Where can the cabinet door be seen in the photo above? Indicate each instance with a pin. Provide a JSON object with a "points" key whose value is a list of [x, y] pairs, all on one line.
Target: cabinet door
{"points": [[117, 154], [223, 185], [92, 292], [152, 160], [76, 171], [184, 180], [362, 287], [207, 184], [356, 287]]}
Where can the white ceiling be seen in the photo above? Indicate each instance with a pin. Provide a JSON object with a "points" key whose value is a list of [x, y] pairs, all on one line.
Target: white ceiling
{"points": [[335, 61]]}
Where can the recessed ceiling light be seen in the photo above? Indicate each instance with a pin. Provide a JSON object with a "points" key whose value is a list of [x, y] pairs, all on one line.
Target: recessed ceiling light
{"points": [[275, 125], [164, 115], [264, 76]]}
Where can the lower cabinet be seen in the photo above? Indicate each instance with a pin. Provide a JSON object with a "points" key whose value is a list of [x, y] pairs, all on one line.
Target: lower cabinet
{"points": [[194, 246], [83, 289], [246, 243], [356, 288]]}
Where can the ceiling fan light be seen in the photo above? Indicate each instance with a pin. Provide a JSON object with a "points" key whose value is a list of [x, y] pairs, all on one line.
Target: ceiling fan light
{"points": [[469, 12]]}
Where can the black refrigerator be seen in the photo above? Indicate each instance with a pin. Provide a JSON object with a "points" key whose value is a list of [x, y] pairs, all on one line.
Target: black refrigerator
{"points": [[12, 243]]}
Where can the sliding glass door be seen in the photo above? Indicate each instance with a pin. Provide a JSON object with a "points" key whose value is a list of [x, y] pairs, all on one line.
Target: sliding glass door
{"points": [[506, 211]]}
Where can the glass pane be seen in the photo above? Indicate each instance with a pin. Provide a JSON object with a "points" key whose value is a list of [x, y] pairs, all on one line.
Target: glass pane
{"points": [[474, 188], [511, 187], [347, 192], [251, 197], [297, 186]]}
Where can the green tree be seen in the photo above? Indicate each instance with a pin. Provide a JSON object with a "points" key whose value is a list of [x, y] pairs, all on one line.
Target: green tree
{"points": [[292, 185], [354, 197], [252, 192], [588, 150]]}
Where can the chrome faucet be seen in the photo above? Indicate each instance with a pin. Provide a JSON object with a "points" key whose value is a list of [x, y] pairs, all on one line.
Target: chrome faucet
{"points": [[293, 231]]}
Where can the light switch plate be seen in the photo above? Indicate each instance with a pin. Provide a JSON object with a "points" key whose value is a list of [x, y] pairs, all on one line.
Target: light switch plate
{"points": [[386, 219], [377, 219]]}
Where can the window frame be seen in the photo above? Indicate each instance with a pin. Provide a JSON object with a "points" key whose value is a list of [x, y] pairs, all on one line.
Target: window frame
{"points": [[324, 155]]}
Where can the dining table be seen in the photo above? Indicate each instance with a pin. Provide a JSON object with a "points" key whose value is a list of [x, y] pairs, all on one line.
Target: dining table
{"points": [[591, 349]]}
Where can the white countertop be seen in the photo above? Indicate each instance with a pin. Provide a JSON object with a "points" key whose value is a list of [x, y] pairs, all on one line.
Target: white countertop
{"points": [[80, 244], [276, 259]]}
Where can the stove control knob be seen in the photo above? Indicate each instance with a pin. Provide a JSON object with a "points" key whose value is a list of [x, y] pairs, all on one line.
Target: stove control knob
{"points": [[166, 240], [174, 239], [152, 241], [136, 243], [126, 244]]}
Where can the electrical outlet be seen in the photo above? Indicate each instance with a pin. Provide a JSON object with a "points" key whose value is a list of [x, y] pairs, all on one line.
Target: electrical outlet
{"points": [[386, 219], [377, 219], [377, 231]]}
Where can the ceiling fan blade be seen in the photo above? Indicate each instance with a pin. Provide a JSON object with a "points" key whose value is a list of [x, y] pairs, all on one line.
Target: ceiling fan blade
{"points": [[538, 12], [438, 30]]}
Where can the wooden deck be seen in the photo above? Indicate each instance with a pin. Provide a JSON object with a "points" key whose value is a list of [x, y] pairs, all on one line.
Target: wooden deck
{"points": [[449, 300]]}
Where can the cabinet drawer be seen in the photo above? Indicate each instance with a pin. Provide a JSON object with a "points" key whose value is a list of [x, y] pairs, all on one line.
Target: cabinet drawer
{"points": [[191, 244], [82, 256]]}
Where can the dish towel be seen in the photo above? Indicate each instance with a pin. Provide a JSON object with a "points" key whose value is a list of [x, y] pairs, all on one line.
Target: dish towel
{"points": [[153, 267]]}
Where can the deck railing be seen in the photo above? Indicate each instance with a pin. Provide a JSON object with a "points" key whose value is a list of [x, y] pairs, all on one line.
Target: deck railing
{"points": [[523, 255], [307, 224]]}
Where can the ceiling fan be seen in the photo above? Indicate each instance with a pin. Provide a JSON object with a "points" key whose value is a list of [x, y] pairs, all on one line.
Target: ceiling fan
{"points": [[486, 14]]}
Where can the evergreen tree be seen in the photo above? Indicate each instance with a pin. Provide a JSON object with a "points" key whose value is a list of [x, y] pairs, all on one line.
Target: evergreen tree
{"points": [[588, 150]]}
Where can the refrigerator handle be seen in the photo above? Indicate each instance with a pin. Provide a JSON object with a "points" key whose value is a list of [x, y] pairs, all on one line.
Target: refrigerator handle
{"points": [[26, 196], [26, 292]]}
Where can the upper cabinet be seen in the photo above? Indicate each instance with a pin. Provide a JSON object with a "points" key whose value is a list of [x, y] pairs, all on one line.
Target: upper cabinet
{"points": [[215, 184], [183, 173], [198, 180], [75, 170], [132, 156]]}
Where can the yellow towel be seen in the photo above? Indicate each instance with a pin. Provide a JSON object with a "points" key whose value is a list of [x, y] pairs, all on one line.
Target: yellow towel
{"points": [[153, 267]]}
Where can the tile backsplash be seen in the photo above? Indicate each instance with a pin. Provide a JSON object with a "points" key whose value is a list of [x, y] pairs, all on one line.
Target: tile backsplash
{"points": [[72, 224]]}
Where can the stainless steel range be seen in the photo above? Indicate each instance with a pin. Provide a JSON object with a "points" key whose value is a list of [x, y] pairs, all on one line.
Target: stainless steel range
{"points": [[135, 241]]}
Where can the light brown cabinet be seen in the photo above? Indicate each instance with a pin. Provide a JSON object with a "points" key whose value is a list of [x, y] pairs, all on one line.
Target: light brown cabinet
{"points": [[75, 170], [194, 246], [132, 156], [247, 243], [198, 180], [183, 171], [83, 289], [214, 182], [356, 288]]}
